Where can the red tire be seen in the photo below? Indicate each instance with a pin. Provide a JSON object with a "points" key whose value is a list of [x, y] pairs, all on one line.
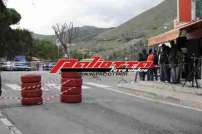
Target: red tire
{"points": [[31, 86], [71, 98], [71, 90], [31, 78], [66, 82], [32, 101], [70, 75], [31, 93]]}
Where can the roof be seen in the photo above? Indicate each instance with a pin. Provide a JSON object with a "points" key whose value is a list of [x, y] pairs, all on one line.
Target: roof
{"points": [[165, 37], [173, 34]]}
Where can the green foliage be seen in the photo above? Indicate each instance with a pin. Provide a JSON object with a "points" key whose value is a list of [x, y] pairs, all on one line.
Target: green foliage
{"points": [[20, 42], [77, 54], [13, 16], [46, 50], [120, 54], [12, 42], [82, 53], [16, 42], [9, 16]]}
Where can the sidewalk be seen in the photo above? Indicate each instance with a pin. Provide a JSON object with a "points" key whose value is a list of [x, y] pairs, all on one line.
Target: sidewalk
{"points": [[187, 96]]}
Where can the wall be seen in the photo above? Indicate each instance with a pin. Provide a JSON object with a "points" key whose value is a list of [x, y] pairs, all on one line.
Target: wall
{"points": [[185, 10]]}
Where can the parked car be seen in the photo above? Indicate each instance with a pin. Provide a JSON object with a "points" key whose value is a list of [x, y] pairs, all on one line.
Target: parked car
{"points": [[48, 66], [21, 66], [7, 66]]}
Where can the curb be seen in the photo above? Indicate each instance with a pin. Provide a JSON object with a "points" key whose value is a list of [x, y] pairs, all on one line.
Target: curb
{"points": [[176, 89], [171, 99]]}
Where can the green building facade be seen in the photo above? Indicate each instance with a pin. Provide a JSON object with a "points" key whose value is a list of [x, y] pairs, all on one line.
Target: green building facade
{"points": [[199, 8]]}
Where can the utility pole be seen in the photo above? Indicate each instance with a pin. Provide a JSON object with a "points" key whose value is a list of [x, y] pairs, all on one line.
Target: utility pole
{"points": [[58, 46]]}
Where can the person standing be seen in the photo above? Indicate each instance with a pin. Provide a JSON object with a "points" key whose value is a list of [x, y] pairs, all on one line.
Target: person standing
{"points": [[150, 71], [180, 57], [167, 65], [163, 61], [144, 58], [141, 74], [173, 62], [156, 59]]}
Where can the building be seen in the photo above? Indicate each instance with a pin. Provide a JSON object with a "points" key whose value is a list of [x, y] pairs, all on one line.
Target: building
{"points": [[188, 23], [187, 33]]}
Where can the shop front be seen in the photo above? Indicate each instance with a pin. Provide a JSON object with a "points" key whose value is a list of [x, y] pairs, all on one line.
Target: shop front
{"points": [[188, 39]]}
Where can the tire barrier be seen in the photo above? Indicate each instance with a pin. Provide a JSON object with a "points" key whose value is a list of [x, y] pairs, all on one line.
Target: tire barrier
{"points": [[71, 75], [71, 98], [31, 78], [71, 87], [32, 101], [71, 91], [31, 90], [31, 93], [31, 86], [72, 82]]}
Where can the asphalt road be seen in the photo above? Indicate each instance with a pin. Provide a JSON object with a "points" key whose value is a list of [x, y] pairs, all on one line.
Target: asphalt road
{"points": [[104, 110]]}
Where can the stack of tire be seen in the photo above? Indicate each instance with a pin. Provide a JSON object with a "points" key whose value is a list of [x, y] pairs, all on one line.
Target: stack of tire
{"points": [[71, 87], [31, 90]]}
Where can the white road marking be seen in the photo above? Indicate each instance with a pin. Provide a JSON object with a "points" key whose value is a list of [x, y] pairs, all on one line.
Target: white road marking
{"points": [[51, 86], [97, 85], [6, 122], [14, 87], [145, 98], [46, 87], [9, 125], [85, 87]]}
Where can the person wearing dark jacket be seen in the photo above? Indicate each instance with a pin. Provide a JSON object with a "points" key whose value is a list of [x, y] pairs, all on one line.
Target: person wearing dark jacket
{"points": [[156, 59], [173, 62], [144, 58], [163, 61], [141, 74]]}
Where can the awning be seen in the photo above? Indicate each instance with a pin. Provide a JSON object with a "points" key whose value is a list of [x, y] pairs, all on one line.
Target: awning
{"points": [[165, 37], [190, 28]]}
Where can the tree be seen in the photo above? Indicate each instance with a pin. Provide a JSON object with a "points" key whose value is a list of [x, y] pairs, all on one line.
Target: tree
{"points": [[7, 17], [65, 34], [45, 50], [13, 41]]}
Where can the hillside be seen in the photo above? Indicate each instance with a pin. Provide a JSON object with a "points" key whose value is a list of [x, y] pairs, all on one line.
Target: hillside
{"points": [[51, 38], [132, 34], [135, 32], [149, 23], [85, 33]]}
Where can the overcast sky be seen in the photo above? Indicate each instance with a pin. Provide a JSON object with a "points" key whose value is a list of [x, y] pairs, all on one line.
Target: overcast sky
{"points": [[40, 15]]}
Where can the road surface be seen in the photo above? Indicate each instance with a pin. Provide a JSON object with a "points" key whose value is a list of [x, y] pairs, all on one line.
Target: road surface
{"points": [[105, 109]]}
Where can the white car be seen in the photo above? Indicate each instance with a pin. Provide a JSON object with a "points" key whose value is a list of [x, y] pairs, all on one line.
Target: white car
{"points": [[21, 66], [7, 66]]}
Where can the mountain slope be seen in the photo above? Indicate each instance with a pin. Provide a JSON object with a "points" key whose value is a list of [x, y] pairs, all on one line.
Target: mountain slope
{"points": [[50, 38], [132, 34], [149, 23], [85, 33]]}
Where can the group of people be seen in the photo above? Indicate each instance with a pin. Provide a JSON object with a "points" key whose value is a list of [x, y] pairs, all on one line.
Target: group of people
{"points": [[167, 61]]}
